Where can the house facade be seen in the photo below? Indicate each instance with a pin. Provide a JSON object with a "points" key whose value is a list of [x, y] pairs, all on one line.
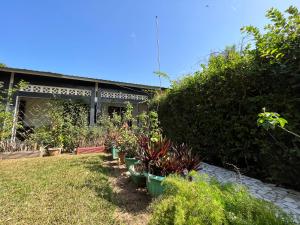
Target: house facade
{"points": [[100, 96]]}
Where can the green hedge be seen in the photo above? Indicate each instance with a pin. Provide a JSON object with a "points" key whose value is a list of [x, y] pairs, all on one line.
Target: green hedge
{"points": [[215, 110]]}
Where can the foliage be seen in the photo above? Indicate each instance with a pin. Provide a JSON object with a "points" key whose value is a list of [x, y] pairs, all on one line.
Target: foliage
{"points": [[163, 157], [127, 138], [67, 127], [51, 135], [151, 154], [180, 160], [269, 120], [6, 114], [214, 110], [205, 201]]}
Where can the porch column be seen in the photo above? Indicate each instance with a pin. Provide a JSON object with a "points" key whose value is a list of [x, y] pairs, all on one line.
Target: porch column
{"points": [[93, 105], [15, 119], [92, 110]]}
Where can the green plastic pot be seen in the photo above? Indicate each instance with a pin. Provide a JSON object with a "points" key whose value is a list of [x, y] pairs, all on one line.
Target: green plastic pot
{"points": [[154, 185], [130, 161], [138, 178], [114, 152]]}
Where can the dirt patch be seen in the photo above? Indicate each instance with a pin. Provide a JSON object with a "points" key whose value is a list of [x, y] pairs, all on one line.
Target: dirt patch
{"points": [[133, 203]]}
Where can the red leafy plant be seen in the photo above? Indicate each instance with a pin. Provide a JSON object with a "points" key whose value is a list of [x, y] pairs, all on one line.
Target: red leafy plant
{"points": [[181, 160], [163, 158], [151, 153]]}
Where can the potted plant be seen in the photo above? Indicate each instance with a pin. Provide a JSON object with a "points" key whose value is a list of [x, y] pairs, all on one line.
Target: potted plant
{"points": [[131, 146], [150, 155], [127, 145], [51, 136], [137, 174], [55, 145], [163, 158]]}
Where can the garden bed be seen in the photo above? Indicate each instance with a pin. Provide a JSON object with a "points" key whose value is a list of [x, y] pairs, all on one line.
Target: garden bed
{"points": [[87, 150], [19, 155]]}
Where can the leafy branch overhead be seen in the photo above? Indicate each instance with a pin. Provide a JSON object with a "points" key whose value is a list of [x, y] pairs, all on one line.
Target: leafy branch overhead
{"points": [[270, 120]]}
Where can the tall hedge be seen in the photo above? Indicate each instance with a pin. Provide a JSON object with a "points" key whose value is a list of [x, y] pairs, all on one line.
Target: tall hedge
{"points": [[215, 110]]}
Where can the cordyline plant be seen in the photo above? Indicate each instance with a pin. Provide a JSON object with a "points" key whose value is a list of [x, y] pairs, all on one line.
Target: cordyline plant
{"points": [[181, 160], [163, 158], [151, 153]]}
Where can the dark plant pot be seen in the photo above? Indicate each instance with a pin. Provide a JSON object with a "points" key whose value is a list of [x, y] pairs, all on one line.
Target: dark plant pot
{"points": [[122, 157], [87, 150], [54, 151], [138, 178], [130, 161], [114, 152], [154, 185]]}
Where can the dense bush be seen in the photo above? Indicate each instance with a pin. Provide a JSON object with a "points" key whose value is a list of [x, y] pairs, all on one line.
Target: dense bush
{"points": [[215, 110], [208, 202], [67, 126]]}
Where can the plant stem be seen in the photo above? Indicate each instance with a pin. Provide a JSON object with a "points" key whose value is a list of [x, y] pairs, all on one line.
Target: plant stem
{"points": [[296, 135]]}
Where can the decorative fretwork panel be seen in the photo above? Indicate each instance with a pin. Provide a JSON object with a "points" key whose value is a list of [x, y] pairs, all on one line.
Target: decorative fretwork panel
{"points": [[121, 95], [56, 90]]}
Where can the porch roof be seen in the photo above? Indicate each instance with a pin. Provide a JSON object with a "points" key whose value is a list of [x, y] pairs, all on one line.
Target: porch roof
{"points": [[73, 77]]}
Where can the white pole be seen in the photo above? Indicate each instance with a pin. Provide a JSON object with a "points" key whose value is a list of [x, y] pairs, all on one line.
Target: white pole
{"points": [[15, 120]]}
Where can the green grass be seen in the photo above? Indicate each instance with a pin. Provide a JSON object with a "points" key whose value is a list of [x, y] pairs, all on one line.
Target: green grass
{"points": [[55, 190]]}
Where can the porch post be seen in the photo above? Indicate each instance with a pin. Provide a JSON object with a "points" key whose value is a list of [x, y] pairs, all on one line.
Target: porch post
{"points": [[93, 105], [92, 110], [96, 101], [15, 119]]}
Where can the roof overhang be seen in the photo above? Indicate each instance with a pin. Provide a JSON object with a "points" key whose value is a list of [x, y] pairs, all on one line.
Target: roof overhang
{"points": [[72, 77]]}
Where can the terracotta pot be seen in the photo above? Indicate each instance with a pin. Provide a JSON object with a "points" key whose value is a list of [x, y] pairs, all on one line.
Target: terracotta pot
{"points": [[54, 151], [122, 157]]}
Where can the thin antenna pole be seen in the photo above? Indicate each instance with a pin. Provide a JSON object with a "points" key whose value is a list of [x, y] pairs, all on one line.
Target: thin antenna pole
{"points": [[158, 52]]}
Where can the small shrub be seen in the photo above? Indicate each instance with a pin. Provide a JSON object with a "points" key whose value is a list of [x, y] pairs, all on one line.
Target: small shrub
{"points": [[205, 201]]}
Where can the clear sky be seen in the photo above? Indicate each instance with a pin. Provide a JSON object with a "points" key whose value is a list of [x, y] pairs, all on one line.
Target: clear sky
{"points": [[116, 39]]}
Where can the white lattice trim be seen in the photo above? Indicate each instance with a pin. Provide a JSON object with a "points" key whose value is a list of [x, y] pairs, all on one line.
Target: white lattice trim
{"points": [[56, 90], [121, 95]]}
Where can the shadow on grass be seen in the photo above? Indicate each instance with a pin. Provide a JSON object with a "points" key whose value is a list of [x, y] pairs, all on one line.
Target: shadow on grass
{"points": [[120, 190]]}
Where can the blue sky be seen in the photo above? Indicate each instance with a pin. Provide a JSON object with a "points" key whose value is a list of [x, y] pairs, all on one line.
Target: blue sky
{"points": [[116, 39]]}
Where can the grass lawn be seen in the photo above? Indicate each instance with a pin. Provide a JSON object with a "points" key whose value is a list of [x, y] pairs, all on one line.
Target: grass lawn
{"points": [[55, 190]]}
